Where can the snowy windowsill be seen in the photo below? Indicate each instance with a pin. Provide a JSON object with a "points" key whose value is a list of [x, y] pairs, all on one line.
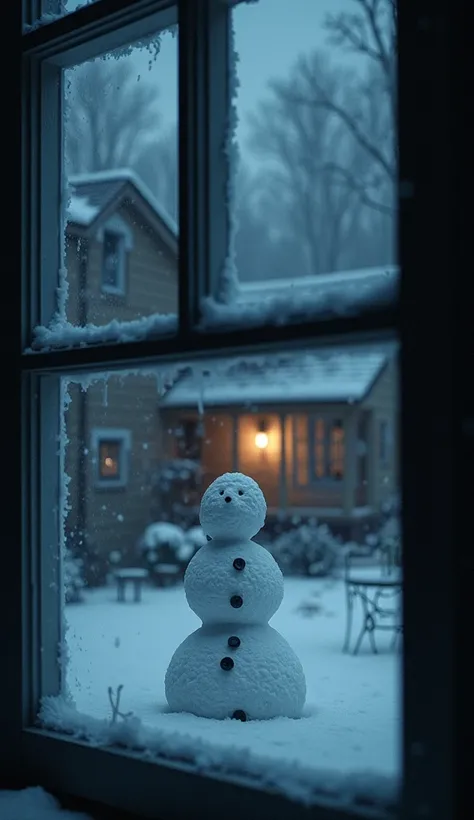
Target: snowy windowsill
{"points": [[227, 755], [63, 335], [330, 297], [295, 303]]}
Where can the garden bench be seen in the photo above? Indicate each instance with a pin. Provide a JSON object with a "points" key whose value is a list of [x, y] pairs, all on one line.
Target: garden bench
{"points": [[130, 575]]}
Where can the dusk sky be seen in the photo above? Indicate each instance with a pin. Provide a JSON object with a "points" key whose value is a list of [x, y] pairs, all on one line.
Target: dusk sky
{"points": [[270, 35]]}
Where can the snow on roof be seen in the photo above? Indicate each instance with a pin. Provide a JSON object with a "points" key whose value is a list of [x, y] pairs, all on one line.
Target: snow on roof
{"points": [[81, 211], [107, 184], [311, 377]]}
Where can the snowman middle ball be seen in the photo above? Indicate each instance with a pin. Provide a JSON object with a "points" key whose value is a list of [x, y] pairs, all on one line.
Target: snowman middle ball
{"points": [[218, 592]]}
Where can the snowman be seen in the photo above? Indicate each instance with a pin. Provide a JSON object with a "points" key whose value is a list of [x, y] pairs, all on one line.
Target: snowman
{"points": [[235, 665]]}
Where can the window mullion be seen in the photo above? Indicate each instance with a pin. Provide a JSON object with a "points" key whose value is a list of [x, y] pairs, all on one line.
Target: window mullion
{"points": [[203, 120]]}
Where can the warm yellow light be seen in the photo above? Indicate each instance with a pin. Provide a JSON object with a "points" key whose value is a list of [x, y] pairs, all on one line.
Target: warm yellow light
{"points": [[261, 441], [109, 462]]}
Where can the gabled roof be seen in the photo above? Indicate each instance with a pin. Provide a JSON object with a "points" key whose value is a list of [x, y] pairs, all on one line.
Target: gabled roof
{"points": [[339, 376], [92, 196]]}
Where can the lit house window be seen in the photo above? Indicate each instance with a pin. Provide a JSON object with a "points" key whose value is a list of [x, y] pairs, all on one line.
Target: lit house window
{"points": [[111, 452], [109, 459]]}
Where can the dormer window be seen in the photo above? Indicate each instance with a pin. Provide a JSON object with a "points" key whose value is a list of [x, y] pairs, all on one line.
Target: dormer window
{"points": [[116, 238], [113, 263]]}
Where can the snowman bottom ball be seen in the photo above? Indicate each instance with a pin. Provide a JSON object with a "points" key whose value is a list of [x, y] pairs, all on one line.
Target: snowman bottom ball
{"points": [[242, 671]]}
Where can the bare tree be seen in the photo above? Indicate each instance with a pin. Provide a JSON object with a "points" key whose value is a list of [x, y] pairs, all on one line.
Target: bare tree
{"points": [[112, 116], [158, 167], [301, 148], [263, 248], [366, 107]]}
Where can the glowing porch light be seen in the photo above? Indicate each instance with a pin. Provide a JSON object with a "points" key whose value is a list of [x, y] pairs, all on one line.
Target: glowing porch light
{"points": [[261, 438]]}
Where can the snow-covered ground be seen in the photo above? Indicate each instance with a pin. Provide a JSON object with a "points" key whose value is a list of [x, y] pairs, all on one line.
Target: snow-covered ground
{"points": [[352, 723]]}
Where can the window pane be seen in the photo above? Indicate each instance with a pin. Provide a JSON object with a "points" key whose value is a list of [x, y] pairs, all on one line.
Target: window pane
{"points": [[120, 161], [170, 434], [315, 161], [109, 459]]}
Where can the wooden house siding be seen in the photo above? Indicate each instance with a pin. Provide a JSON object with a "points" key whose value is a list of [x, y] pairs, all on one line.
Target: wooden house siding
{"points": [[151, 278]]}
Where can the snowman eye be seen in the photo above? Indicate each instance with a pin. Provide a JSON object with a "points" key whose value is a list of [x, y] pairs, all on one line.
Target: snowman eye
{"points": [[241, 492], [221, 492]]}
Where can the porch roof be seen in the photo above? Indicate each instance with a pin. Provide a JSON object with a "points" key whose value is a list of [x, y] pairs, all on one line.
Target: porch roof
{"points": [[309, 378]]}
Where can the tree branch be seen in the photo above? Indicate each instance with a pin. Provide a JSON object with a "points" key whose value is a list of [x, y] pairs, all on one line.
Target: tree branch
{"points": [[323, 101], [359, 188]]}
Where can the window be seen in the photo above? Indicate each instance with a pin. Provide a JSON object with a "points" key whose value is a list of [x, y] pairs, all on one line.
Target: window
{"points": [[113, 263], [189, 439], [55, 332], [111, 450], [384, 442], [319, 442]]}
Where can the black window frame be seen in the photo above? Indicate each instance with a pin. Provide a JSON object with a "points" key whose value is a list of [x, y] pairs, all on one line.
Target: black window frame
{"points": [[436, 424]]}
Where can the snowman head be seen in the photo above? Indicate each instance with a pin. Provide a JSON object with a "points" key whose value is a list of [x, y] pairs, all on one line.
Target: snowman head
{"points": [[232, 506]]}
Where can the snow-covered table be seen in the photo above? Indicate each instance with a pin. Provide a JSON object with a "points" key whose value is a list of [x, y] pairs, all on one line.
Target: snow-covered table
{"points": [[133, 575]]}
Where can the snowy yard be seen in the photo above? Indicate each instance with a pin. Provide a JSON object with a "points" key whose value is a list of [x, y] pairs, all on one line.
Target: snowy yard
{"points": [[352, 723]]}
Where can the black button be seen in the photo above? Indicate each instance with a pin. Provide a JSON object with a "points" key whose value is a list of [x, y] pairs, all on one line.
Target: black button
{"points": [[233, 641], [236, 601], [239, 563], [239, 714], [227, 664]]}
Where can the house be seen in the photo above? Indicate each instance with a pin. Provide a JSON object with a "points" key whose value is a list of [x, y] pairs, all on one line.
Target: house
{"points": [[121, 255], [121, 250], [316, 430]]}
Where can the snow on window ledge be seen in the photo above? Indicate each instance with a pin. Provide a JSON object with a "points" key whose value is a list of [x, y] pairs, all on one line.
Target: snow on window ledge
{"points": [[369, 790], [63, 335], [301, 301]]}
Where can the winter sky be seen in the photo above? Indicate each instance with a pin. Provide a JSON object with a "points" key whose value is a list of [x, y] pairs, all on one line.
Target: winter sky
{"points": [[270, 35]]}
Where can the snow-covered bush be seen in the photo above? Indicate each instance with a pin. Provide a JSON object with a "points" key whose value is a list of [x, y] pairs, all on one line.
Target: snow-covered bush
{"points": [[161, 534], [310, 549], [164, 551], [72, 578], [196, 536]]}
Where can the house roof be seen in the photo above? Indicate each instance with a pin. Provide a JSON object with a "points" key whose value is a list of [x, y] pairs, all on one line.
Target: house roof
{"points": [[339, 376], [91, 194]]}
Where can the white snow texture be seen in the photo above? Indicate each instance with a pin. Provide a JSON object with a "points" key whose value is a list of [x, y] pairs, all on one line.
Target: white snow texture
{"points": [[211, 580], [235, 665], [233, 507]]}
